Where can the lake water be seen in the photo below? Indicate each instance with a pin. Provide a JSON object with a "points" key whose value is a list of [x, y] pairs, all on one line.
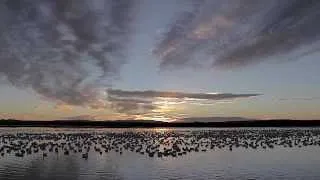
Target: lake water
{"points": [[279, 162]]}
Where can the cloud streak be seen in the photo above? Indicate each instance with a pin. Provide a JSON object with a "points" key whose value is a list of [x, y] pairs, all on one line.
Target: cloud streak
{"points": [[64, 50], [172, 94], [300, 99], [235, 33]]}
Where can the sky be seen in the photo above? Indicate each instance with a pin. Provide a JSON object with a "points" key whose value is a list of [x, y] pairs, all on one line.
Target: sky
{"points": [[159, 60]]}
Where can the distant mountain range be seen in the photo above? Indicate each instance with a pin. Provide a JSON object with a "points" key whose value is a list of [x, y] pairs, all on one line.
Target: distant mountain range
{"points": [[187, 122]]}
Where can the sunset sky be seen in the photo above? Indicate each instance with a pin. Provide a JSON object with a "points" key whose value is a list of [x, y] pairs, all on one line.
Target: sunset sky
{"points": [[159, 59]]}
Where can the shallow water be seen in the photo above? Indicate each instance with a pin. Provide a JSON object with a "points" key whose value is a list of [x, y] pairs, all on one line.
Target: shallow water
{"points": [[240, 163]]}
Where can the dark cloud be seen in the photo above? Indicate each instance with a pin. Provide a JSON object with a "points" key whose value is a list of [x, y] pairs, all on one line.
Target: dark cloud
{"points": [[64, 49], [233, 33], [156, 102], [179, 95], [130, 105]]}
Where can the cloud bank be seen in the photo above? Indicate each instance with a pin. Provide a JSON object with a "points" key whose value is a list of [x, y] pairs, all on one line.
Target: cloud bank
{"points": [[162, 102], [64, 50], [234, 33]]}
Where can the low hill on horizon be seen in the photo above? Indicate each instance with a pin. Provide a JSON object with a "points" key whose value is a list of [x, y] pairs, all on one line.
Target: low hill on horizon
{"points": [[215, 119], [190, 122]]}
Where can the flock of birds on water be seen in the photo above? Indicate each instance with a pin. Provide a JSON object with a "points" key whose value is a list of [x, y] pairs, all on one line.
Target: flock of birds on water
{"points": [[153, 143]]}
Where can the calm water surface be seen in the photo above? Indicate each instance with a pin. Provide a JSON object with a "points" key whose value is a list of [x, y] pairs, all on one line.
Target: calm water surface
{"points": [[241, 163]]}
